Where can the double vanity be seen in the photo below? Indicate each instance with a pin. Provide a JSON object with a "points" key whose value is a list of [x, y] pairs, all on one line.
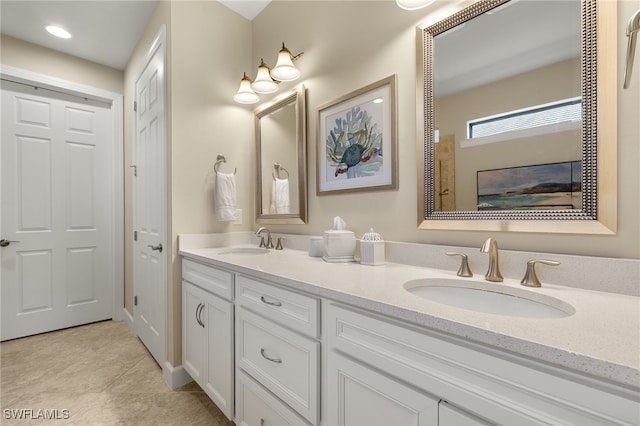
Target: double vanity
{"points": [[278, 337]]}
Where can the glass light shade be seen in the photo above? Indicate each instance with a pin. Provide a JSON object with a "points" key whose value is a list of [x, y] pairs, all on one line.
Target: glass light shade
{"points": [[263, 82], [413, 4], [245, 94], [284, 69]]}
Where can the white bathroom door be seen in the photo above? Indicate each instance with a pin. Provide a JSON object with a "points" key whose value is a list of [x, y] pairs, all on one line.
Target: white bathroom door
{"points": [[57, 249], [150, 206]]}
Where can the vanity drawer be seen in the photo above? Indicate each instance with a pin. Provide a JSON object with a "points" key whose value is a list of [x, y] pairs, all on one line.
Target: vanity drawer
{"points": [[255, 406], [209, 278], [293, 310], [281, 360]]}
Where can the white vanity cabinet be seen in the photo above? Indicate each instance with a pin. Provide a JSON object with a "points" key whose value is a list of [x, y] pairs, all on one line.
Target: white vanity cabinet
{"points": [[207, 331], [449, 415], [375, 363], [277, 354]]}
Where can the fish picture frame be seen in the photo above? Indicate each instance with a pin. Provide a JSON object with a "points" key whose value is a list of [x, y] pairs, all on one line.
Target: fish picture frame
{"points": [[357, 140]]}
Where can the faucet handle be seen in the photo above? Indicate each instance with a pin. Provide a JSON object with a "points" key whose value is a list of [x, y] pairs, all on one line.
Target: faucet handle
{"points": [[530, 278], [279, 243], [464, 270], [262, 244]]}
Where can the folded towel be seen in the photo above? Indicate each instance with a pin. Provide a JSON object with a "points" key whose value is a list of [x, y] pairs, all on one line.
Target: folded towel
{"points": [[225, 197], [280, 203]]}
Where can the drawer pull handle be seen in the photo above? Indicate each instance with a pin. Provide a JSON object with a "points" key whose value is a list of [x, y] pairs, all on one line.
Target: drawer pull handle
{"points": [[276, 360], [276, 303]]}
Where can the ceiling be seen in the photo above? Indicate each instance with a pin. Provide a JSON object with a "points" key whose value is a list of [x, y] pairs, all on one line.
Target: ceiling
{"points": [[103, 31]]}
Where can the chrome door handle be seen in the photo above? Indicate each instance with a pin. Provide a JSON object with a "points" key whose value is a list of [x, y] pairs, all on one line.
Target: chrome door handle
{"points": [[158, 247], [264, 355], [5, 243]]}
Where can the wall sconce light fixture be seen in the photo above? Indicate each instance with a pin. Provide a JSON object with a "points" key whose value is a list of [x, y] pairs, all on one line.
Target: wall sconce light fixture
{"points": [[245, 94], [267, 79], [413, 4]]}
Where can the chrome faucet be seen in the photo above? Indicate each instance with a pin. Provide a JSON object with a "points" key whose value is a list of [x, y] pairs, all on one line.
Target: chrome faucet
{"points": [[269, 243], [493, 272]]}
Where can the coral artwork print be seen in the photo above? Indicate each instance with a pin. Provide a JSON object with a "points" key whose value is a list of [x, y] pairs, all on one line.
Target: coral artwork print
{"points": [[354, 143]]}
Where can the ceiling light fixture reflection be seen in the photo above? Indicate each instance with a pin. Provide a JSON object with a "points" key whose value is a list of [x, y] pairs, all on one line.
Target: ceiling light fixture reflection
{"points": [[413, 4], [57, 31]]}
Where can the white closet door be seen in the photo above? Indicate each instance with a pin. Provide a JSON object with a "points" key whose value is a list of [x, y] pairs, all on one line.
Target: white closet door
{"points": [[57, 163]]}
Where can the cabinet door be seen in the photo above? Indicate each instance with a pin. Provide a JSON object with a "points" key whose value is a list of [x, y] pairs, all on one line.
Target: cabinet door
{"points": [[217, 317], [448, 415], [359, 395], [255, 406], [194, 349]]}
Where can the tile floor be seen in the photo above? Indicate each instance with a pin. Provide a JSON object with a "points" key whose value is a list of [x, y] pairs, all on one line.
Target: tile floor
{"points": [[97, 374]]}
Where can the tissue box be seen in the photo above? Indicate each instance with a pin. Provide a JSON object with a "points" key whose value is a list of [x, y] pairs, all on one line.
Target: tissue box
{"points": [[339, 245], [372, 252]]}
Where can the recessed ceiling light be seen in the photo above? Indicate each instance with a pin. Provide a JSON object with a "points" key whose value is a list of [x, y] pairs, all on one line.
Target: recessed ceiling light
{"points": [[57, 31]]}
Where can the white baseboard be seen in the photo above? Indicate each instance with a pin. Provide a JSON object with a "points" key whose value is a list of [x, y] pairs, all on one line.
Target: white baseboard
{"points": [[128, 319], [175, 377]]}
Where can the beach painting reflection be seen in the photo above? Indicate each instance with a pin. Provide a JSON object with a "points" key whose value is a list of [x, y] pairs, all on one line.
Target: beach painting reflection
{"points": [[553, 186]]}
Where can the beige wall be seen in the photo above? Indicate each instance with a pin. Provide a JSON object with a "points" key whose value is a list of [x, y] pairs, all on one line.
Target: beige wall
{"points": [[210, 48], [21, 54], [350, 44]]}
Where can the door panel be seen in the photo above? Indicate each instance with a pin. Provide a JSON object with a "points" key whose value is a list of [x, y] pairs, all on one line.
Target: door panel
{"points": [[57, 174], [149, 207]]}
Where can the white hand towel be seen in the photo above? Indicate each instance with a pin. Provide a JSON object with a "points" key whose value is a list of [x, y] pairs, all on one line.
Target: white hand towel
{"points": [[225, 197], [280, 203]]}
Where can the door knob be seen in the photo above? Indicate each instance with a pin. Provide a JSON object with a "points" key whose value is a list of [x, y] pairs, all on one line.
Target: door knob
{"points": [[158, 247], [5, 243]]}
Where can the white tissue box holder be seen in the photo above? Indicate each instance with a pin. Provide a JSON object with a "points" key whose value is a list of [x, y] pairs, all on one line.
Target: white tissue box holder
{"points": [[372, 252], [339, 246]]}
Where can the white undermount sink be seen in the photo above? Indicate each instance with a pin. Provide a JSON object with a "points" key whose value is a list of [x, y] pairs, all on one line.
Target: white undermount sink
{"points": [[244, 251], [489, 298]]}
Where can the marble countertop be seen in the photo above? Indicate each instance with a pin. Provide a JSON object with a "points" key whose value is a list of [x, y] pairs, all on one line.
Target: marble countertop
{"points": [[602, 337]]}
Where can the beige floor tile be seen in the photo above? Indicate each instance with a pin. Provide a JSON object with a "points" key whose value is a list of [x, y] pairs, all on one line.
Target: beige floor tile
{"points": [[98, 374]]}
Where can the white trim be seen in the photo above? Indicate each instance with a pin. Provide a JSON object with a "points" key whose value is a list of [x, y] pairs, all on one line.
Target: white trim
{"points": [[175, 377], [20, 75], [127, 318], [116, 102]]}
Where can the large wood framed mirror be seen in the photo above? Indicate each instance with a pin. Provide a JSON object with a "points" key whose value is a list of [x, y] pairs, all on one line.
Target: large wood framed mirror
{"points": [[281, 146], [517, 117]]}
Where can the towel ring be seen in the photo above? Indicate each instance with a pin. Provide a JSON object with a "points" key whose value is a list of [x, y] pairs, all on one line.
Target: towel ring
{"points": [[278, 168], [221, 159]]}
